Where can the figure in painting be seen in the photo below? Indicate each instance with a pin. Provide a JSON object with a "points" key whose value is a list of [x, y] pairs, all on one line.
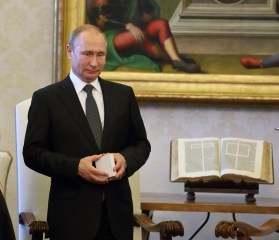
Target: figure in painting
{"points": [[137, 35], [267, 62]]}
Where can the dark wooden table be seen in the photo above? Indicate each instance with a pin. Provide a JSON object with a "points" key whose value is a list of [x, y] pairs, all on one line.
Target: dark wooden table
{"points": [[228, 203]]}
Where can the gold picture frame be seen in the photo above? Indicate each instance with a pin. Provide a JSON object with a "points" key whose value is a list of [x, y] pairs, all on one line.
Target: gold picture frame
{"points": [[249, 90]]}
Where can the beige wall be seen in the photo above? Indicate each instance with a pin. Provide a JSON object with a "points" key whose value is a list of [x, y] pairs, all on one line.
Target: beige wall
{"points": [[26, 38], [26, 43]]}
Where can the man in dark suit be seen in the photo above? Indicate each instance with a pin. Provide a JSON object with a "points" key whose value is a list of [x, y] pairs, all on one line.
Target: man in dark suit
{"points": [[6, 226], [83, 203]]}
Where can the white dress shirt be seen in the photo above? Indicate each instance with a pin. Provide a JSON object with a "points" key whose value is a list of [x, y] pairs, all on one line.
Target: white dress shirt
{"points": [[97, 94]]}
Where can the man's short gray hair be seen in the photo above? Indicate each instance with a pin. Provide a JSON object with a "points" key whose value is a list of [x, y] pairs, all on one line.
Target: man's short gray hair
{"points": [[81, 29]]}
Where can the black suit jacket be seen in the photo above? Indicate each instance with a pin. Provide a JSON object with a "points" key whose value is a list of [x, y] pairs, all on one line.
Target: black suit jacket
{"points": [[6, 226], [58, 136]]}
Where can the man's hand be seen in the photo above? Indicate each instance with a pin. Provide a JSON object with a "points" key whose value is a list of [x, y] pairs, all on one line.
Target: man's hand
{"points": [[120, 166], [87, 171]]}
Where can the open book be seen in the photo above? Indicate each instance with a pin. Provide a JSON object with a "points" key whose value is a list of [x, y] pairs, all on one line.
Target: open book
{"points": [[236, 159]]}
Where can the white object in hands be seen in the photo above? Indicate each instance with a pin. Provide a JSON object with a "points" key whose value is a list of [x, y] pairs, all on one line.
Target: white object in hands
{"points": [[106, 164]]}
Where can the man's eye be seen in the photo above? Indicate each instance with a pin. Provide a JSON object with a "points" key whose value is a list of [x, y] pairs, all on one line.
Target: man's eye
{"points": [[88, 54]]}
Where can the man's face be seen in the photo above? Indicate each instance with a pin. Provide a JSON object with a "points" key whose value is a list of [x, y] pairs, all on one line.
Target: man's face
{"points": [[88, 55]]}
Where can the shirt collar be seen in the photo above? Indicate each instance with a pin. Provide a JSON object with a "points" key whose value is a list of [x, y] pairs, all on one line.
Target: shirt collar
{"points": [[79, 84]]}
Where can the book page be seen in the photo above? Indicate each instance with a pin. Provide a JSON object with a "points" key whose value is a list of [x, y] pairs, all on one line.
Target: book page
{"points": [[174, 167], [198, 157], [267, 174], [241, 157]]}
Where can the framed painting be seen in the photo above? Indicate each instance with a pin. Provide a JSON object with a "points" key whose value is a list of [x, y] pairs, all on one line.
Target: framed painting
{"points": [[212, 84]]}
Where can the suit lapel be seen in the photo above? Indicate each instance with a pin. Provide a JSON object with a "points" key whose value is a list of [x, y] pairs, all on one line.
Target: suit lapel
{"points": [[110, 103], [70, 99]]}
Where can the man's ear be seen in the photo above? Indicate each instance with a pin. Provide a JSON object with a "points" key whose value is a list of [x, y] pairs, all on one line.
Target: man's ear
{"points": [[69, 51]]}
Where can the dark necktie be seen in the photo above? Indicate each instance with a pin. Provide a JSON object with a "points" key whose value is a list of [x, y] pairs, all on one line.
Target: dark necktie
{"points": [[93, 115]]}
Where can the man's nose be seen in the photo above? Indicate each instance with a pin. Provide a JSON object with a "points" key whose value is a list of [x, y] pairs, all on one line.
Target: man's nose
{"points": [[93, 61]]}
